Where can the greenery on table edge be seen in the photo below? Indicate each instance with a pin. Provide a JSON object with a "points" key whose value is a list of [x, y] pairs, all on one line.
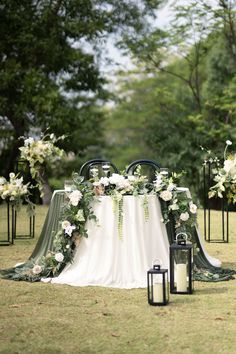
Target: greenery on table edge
{"points": [[77, 209]]}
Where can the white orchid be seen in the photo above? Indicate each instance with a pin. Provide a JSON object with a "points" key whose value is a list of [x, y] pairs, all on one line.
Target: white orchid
{"points": [[69, 229]]}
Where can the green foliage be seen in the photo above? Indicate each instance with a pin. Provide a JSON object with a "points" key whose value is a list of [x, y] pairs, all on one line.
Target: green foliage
{"points": [[49, 76], [183, 95]]}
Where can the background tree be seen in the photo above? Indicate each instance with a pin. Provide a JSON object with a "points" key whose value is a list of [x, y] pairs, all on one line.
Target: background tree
{"points": [[49, 72], [189, 99]]}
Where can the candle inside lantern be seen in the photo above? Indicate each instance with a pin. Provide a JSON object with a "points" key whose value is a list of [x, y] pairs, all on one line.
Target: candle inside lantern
{"points": [[181, 277], [157, 292]]}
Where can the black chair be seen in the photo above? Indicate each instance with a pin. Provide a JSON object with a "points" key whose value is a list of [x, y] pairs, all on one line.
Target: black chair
{"points": [[85, 169], [148, 168]]}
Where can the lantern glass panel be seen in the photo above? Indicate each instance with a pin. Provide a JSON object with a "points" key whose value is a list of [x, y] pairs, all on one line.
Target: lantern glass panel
{"points": [[181, 269], [158, 287]]}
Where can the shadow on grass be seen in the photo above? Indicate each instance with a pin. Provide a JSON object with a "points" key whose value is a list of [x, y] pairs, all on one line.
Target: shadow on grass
{"points": [[230, 265], [211, 291]]}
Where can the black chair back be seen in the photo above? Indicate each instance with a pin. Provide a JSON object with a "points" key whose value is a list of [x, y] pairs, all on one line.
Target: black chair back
{"points": [[85, 169], [148, 168]]}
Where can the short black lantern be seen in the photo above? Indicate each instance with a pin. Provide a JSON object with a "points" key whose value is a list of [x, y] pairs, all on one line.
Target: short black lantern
{"points": [[158, 287], [181, 265]]}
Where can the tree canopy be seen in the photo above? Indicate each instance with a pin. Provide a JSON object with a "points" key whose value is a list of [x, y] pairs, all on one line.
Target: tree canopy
{"points": [[49, 72], [183, 94]]}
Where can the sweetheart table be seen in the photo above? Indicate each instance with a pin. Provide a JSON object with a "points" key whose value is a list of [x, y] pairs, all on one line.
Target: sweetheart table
{"points": [[109, 258], [118, 250]]}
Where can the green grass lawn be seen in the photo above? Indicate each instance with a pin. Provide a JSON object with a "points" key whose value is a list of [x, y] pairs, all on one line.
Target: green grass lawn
{"points": [[48, 318]]}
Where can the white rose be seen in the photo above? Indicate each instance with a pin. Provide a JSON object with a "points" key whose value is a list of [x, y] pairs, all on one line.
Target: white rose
{"points": [[37, 269], [123, 184], [115, 178], [75, 197], [65, 224], [104, 181], [166, 195], [193, 208], [59, 257], [184, 216]]}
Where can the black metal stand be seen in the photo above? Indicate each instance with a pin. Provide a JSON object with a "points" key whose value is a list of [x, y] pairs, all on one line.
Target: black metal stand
{"points": [[207, 183], [10, 230], [31, 230]]}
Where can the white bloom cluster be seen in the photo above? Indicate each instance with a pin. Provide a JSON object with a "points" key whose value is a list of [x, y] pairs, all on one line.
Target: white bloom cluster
{"points": [[37, 269], [166, 195], [75, 197], [38, 151], [68, 228], [124, 184], [120, 182], [59, 257], [230, 166], [14, 189], [225, 178]]}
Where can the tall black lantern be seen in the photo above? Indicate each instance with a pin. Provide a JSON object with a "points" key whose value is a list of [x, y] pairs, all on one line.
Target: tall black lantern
{"points": [[157, 286], [181, 266]]}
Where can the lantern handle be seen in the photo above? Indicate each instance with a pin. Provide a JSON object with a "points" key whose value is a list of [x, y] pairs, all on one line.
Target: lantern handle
{"points": [[157, 262], [183, 234]]}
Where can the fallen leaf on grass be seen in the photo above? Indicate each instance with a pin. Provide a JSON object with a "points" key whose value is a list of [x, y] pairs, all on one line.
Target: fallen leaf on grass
{"points": [[14, 306], [115, 335]]}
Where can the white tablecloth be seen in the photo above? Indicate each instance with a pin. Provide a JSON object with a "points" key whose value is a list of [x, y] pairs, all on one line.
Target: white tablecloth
{"points": [[105, 259]]}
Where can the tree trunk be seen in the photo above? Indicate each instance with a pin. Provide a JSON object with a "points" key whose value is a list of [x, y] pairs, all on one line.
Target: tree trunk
{"points": [[46, 191]]}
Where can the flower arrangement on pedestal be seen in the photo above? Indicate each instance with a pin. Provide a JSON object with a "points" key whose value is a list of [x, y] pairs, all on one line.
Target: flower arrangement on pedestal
{"points": [[14, 190], [225, 177], [40, 152]]}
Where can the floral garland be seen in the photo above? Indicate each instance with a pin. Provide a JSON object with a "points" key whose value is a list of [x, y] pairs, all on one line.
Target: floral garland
{"points": [[77, 210], [40, 152]]}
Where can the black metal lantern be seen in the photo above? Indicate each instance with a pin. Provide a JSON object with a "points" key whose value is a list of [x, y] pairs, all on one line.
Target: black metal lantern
{"points": [[181, 266], [157, 286]]}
